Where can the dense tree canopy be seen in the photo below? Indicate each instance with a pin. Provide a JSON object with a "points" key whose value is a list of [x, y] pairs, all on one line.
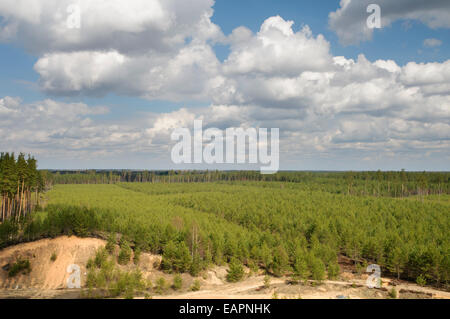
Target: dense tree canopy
{"points": [[393, 184], [20, 184], [284, 228], [297, 223]]}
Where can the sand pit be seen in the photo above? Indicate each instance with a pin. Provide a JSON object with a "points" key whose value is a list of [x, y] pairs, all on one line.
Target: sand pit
{"points": [[45, 272]]}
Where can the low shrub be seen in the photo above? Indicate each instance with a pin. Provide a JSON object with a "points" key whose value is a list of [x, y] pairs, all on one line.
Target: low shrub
{"points": [[177, 282], [160, 285], [125, 253], [421, 280], [236, 271], [196, 285], [20, 266]]}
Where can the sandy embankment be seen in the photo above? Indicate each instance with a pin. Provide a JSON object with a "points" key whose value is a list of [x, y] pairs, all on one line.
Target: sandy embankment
{"points": [[46, 273]]}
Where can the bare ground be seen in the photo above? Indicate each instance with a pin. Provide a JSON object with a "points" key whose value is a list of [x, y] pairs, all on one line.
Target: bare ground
{"points": [[48, 278], [46, 273], [253, 288]]}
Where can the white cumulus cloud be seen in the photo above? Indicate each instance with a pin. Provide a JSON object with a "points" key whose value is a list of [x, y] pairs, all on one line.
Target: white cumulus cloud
{"points": [[349, 21]]}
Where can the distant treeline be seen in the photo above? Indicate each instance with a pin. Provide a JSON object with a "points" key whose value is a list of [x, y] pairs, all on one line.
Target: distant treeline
{"points": [[19, 180], [373, 183]]}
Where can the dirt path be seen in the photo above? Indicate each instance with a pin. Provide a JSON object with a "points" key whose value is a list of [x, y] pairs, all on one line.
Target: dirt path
{"points": [[253, 288]]}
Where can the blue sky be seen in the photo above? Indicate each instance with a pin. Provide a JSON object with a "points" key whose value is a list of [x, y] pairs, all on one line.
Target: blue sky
{"points": [[402, 41], [394, 42], [18, 78]]}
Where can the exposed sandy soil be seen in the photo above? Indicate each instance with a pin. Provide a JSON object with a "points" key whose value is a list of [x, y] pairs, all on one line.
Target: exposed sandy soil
{"points": [[253, 287], [48, 279], [45, 273]]}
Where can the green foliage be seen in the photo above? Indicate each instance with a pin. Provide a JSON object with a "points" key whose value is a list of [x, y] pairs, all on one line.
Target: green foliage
{"points": [[276, 225], [398, 258], [176, 257], [421, 280], [375, 183], [301, 268], [20, 266], [111, 243], [266, 255], [253, 266], [196, 285], [177, 282], [393, 293], [236, 271], [20, 184], [127, 284], [104, 279], [160, 285], [317, 269], [53, 256], [125, 253], [137, 255], [280, 263], [101, 257], [196, 265], [90, 263], [333, 270]]}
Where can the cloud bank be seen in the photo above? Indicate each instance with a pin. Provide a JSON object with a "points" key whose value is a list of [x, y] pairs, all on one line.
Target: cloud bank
{"points": [[325, 106], [349, 21]]}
